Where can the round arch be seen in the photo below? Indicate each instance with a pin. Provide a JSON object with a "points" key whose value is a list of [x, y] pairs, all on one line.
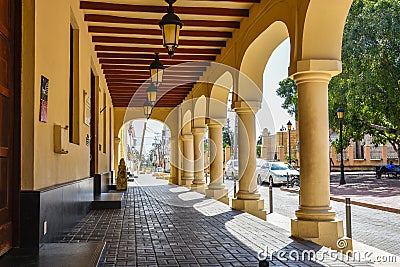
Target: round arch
{"points": [[217, 104], [256, 57], [127, 139], [323, 29]]}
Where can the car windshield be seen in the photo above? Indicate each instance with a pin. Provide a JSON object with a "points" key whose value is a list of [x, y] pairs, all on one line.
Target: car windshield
{"points": [[235, 163], [281, 167]]}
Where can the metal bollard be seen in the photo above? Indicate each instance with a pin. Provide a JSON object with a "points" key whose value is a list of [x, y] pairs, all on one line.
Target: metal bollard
{"points": [[271, 206], [287, 180], [234, 186], [348, 217]]}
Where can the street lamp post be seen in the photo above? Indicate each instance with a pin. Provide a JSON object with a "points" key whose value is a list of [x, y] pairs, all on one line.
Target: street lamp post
{"points": [[340, 114], [289, 127]]}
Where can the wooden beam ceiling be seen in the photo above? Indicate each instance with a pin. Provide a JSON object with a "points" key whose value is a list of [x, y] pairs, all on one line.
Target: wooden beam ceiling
{"points": [[126, 36]]}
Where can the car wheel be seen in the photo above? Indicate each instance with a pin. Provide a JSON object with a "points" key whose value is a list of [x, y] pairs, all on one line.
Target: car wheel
{"points": [[259, 182], [295, 182], [271, 181]]}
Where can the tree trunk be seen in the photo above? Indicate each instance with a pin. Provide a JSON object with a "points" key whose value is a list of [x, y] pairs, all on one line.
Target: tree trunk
{"points": [[398, 155]]}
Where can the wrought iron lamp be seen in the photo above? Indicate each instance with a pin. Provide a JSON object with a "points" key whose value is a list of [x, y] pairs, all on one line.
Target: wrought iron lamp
{"points": [[147, 108], [170, 25], [340, 114], [156, 72], [151, 94], [289, 127]]}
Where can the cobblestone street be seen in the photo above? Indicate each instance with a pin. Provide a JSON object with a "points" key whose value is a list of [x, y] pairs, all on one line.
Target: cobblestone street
{"points": [[164, 225]]}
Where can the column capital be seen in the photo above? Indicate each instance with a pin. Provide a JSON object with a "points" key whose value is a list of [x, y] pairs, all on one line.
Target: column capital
{"points": [[315, 70], [187, 137], [215, 121], [246, 106], [198, 130]]}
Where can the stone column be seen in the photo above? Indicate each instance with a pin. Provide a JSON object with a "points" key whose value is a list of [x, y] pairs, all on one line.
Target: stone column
{"points": [[247, 198], [316, 220], [174, 168], [116, 154], [188, 157], [216, 188], [198, 137]]}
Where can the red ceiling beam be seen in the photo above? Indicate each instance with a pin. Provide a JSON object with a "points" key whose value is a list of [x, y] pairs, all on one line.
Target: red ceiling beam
{"points": [[192, 33], [145, 62], [193, 23], [131, 40], [208, 11], [151, 56], [146, 74], [171, 81], [179, 50], [176, 69]]}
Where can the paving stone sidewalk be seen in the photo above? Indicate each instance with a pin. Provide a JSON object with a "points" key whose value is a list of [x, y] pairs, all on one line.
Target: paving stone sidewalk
{"points": [[365, 189], [164, 225]]}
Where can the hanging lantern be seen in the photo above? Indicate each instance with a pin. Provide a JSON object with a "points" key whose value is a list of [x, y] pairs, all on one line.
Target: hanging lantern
{"points": [[156, 72], [151, 94], [170, 25], [147, 108]]}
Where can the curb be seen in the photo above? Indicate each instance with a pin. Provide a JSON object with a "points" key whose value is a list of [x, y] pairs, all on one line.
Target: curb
{"points": [[355, 202]]}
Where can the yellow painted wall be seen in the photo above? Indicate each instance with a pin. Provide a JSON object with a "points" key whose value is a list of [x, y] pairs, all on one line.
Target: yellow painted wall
{"points": [[50, 57]]}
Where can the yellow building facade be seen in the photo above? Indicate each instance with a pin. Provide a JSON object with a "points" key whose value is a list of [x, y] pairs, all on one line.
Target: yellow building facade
{"points": [[88, 101]]}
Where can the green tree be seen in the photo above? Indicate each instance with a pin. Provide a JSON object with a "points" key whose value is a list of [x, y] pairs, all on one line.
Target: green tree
{"points": [[227, 134], [368, 88], [288, 91]]}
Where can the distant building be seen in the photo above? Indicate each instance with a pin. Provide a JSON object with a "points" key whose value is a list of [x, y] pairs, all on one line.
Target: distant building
{"points": [[165, 148], [359, 155]]}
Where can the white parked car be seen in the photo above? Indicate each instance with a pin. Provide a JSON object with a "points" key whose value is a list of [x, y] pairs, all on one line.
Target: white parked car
{"points": [[276, 173], [232, 168]]}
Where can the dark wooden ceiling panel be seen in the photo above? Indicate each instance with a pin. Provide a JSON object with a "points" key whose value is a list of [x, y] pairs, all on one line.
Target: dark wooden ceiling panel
{"points": [[126, 36]]}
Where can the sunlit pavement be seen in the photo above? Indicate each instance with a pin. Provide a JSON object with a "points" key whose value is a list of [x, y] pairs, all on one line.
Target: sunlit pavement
{"points": [[375, 228], [165, 225]]}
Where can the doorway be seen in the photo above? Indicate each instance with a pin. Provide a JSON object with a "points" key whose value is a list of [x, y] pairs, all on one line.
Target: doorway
{"points": [[10, 28]]}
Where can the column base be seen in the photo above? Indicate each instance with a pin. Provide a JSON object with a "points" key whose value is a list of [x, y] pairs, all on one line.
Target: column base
{"points": [[172, 180], [186, 181], [220, 194], [325, 233], [253, 206], [198, 187]]}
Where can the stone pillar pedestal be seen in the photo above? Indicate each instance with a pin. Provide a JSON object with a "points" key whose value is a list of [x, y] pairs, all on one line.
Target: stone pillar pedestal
{"points": [[316, 220], [248, 198], [188, 155], [199, 183], [216, 189]]}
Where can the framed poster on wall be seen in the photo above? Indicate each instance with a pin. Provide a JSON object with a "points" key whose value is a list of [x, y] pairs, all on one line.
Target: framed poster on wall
{"points": [[86, 109], [44, 96]]}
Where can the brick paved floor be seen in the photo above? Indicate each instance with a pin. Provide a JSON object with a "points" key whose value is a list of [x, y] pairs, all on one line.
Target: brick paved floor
{"points": [[366, 188], [163, 225], [376, 228]]}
